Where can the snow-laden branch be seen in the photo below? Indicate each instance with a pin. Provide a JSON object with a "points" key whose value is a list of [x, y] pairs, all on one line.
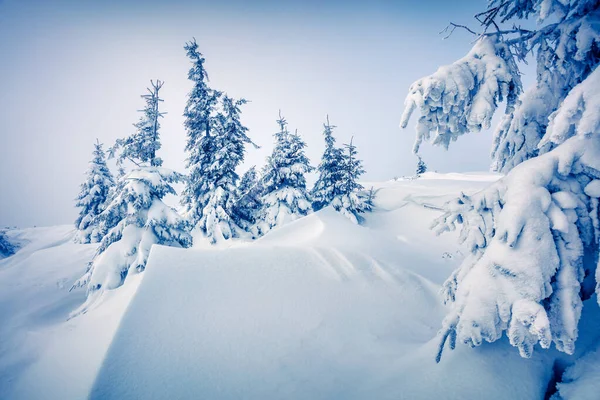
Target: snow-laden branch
{"points": [[527, 233], [462, 97]]}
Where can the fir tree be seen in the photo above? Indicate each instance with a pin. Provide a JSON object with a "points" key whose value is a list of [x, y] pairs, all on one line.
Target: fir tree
{"points": [[92, 198], [349, 201], [328, 183], [285, 196], [200, 119], [229, 138], [370, 201], [421, 166], [136, 217], [248, 202], [145, 142], [533, 234]]}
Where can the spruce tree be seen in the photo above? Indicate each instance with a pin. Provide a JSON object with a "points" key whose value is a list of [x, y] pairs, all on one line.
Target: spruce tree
{"points": [[136, 217], [92, 197], [248, 200], [285, 196], [328, 183], [200, 120], [350, 202], [217, 221], [145, 142], [421, 166]]}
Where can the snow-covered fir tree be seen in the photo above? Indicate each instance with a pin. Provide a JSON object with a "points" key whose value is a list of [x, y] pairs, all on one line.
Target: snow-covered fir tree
{"points": [[421, 166], [349, 201], [327, 186], [248, 200], [92, 198], [229, 138], [533, 234], [285, 197], [136, 214], [370, 199], [200, 120], [145, 142], [7, 248]]}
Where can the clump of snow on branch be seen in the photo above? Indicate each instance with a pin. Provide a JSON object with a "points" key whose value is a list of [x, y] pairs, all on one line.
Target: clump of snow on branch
{"points": [[462, 97]]}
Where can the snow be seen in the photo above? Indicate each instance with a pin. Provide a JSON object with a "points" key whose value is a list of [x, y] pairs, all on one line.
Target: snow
{"points": [[462, 97], [580, 381], [320, 308]]}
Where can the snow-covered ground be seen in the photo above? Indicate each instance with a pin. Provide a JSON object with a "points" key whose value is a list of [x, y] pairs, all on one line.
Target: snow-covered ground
{"points": [[318, 309]]}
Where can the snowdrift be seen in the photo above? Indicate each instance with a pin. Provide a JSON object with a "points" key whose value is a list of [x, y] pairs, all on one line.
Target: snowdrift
{"points": [[319, 308], [293, 323]]}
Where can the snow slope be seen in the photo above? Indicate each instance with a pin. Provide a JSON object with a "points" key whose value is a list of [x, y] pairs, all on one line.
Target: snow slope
{"points": [[43, 355], [320, 308]]}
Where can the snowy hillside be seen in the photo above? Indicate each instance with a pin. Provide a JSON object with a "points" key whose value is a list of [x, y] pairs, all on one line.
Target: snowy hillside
{"points": [[320, 308]]}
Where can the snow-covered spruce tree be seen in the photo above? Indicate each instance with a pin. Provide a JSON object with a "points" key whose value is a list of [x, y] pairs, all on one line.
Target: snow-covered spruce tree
{"points": [[145, 142], [136, 214], [421, 166], [327, 186], [285, 197], [200, 119], [349, 201], [7, 249], [217, 221], [92, 197], [370, 198], [533, 234], [248, 201]]}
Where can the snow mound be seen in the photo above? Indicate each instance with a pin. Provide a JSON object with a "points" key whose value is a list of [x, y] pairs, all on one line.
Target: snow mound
{"points": [[320, 308]]}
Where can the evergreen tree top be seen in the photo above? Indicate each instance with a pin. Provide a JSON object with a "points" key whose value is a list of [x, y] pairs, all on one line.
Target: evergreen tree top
{"points": [[353, 168], [197, 73], [328, 133], [140, 148]]}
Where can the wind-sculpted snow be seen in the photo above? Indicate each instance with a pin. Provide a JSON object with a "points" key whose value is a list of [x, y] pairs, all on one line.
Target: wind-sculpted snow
{"points": [[272, 321]]}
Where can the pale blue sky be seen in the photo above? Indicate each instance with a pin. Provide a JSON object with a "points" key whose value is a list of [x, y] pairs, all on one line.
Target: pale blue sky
{"points": [[72, 71]]}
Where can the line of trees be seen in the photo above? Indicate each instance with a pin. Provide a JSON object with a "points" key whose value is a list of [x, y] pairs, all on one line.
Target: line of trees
{"points": [[127, 215]]}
